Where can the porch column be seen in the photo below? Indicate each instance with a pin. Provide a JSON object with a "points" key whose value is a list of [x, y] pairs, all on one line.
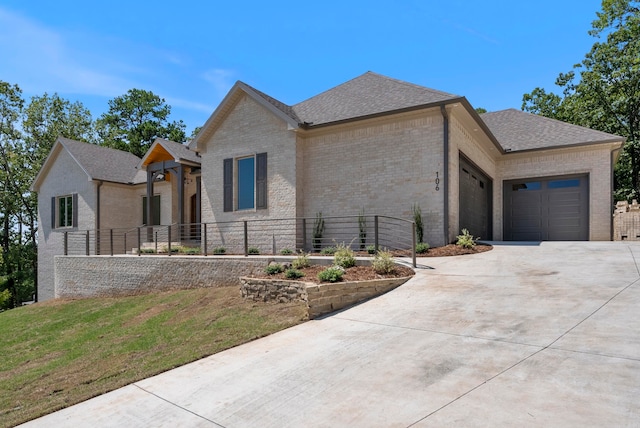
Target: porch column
{"points": [[198, 199], [149, 219], [181, 195]]}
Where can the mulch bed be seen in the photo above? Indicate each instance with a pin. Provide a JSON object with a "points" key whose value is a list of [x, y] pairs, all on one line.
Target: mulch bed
{"points": [[366, 273], [356, 273]]}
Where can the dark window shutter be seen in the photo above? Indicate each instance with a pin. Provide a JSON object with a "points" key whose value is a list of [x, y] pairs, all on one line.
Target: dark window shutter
{"points": [[74, 209], [228, 185], [54, 208], [261, 181]]}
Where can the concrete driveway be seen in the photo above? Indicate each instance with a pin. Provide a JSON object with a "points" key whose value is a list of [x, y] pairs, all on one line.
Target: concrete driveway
{"points": [[524, 335]]}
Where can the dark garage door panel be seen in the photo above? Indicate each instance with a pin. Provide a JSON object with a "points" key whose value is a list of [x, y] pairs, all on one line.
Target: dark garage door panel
{"points": [[475, 200], [552, 209]]}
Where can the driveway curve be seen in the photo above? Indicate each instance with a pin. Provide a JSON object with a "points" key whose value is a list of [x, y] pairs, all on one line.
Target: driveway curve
{"points": [[528, 334]]}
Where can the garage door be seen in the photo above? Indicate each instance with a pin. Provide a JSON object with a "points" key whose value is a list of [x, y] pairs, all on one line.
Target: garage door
{"points": [[550, 209], [475, 201]]}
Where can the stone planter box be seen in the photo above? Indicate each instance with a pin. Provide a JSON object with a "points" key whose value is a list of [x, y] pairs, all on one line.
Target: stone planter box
{"points": [[321, 299]]}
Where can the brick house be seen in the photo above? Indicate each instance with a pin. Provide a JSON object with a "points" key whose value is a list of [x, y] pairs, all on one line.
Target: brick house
{"points": [[371, 143]]}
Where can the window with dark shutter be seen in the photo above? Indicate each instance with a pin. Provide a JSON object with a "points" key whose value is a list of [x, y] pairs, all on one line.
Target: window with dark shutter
{"points": [[261, 181], [228, 185]]}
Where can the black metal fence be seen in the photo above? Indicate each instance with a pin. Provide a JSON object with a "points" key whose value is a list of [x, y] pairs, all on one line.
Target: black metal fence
{"points": [[268, 236]]}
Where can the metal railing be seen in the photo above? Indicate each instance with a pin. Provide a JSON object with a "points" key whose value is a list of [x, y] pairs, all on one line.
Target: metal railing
{"points": [[264, 236]]}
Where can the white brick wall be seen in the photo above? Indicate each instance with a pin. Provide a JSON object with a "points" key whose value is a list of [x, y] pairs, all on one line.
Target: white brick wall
{"points": [[65, 177], [382, 165], [250, 129]]}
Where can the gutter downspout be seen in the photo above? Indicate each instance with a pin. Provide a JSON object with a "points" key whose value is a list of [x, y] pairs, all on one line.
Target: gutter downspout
{"points": [[98, 186], [445, 174]]}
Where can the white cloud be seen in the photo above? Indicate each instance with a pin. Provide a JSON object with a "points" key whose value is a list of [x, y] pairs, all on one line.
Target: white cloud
{"points": [[222, 80], [40, 59]]}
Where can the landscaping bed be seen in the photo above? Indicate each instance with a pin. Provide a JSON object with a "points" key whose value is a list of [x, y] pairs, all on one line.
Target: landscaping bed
{"points": [[355, 273]]}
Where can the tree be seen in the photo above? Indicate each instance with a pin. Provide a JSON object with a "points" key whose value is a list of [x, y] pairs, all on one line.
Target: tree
{"points": [[607, 94], [11, 105], [26, 137], [135, 120]]}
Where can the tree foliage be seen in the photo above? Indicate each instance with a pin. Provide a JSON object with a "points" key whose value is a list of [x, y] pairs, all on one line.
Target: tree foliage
{"points": [[135, 120], [603, 91], [28, 131], [26, 137]]}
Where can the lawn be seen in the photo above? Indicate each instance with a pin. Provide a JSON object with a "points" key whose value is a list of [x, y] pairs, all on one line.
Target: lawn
{"points": [[59, 353]]}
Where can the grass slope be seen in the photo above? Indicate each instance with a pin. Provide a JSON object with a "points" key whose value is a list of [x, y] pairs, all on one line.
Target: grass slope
{"points": [[59, 353]]}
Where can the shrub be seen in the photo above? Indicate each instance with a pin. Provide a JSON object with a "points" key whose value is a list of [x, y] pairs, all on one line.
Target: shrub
{"points": [[466, 240], [219, 250], [302, 261], [286, 251], [253, 250], [417, 218], [274, 268], [344, 257], [383, 262], [362, 225], [189, 250], [293, 273], [371, 249], [422, 247], [318, 230], [328, 251], [331, 274], [147, 251]]}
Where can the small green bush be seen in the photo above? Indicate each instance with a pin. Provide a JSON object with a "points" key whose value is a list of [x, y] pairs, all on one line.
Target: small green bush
{"points": [[274, 268], [219, 250], [328, 251], [466, 240], [293, 274], [422, 247], [344, 256], [371, 249], [383, 263], [302, 261], [417, 219], [189, 250], [286, 251], [331, 274], [147, 251], [253, 250]]}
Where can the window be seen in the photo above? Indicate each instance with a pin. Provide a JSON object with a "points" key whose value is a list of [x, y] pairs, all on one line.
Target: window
{"points": [[532, 185], [155, 206], [561, 184], [246, 180], [64, 211], [245, 189]]}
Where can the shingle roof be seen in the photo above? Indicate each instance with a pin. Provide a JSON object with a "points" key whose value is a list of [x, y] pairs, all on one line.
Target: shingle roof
{"points": [[103, 163], [366, 95], [179, 151], [286, 109], [516, 130]]}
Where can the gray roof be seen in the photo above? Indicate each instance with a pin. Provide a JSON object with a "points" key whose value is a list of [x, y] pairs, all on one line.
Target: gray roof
{"points": [[516, 130], [366, 95], [103, 163], [180, 152]]}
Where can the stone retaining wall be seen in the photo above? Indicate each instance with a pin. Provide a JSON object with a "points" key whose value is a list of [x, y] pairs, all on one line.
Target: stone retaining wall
{"points": [[93, 276], [320, 298]]}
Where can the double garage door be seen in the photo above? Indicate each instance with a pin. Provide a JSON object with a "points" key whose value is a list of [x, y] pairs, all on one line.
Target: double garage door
{"points": [[551, 209]]}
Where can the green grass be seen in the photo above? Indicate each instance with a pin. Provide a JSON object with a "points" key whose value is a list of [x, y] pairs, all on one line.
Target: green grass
{"points": [[59, 353]]}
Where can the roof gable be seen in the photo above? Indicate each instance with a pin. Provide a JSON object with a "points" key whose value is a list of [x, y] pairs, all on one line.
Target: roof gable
{"points": [[517, 130], [277, 108], [366, 95], [98, 162], [164, 149]]}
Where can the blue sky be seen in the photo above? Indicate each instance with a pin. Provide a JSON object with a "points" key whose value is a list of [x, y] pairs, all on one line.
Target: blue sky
{"points": [[192, 52]]}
